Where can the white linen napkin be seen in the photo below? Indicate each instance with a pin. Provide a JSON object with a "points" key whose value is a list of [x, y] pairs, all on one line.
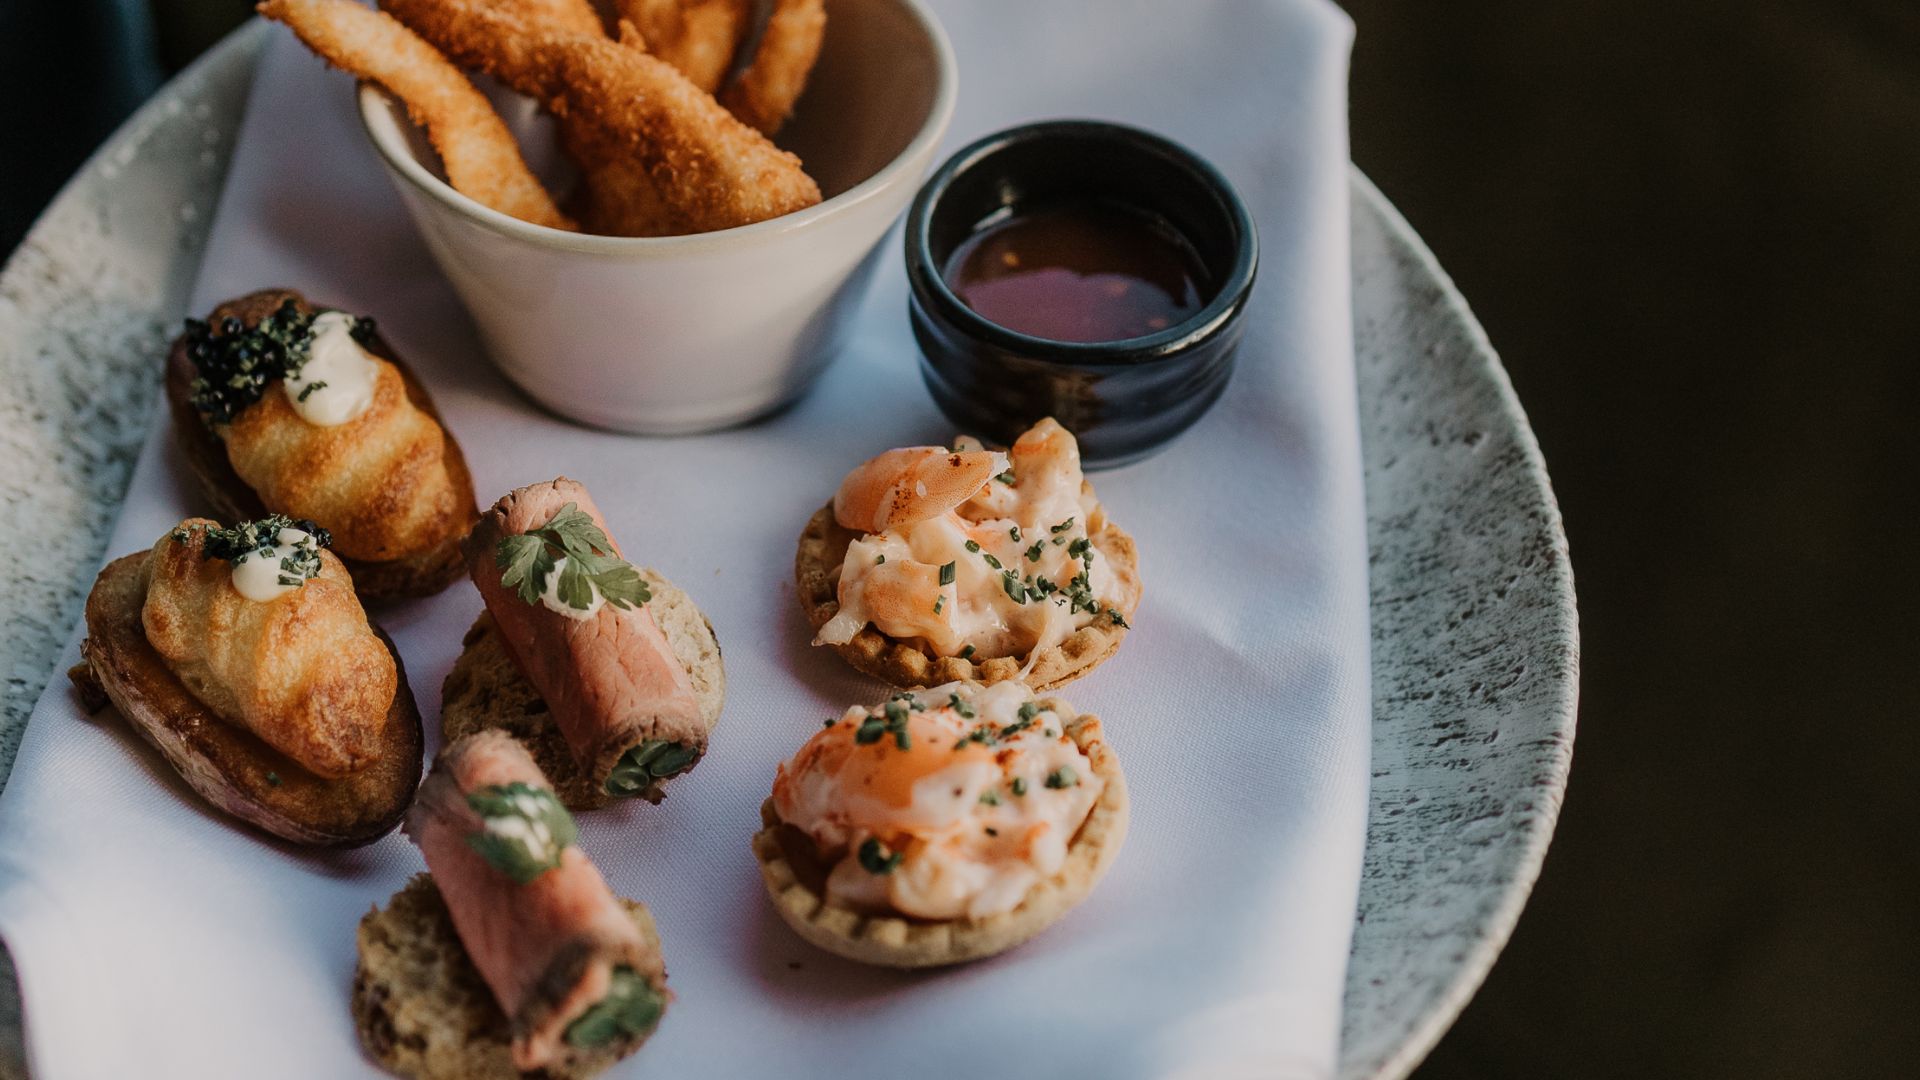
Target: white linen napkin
{"points": [[156, 938]]}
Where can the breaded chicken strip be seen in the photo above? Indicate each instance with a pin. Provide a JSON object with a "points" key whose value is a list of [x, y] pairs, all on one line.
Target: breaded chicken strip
{"points": [[478, 152], [764, 94], [711, 170], [699, 37]]}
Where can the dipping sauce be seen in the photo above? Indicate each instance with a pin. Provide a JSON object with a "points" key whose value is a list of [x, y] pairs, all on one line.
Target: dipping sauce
{"points": [[1079, 272]]}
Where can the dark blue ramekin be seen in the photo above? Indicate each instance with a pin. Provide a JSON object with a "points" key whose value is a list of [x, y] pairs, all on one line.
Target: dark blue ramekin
{"points": [[1122, 399]]}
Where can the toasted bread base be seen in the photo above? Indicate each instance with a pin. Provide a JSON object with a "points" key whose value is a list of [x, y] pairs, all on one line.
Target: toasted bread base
{"points": [[795, 878], [485, 689], [422, 1009], [823, 548], [423, 573], [227, 765]]}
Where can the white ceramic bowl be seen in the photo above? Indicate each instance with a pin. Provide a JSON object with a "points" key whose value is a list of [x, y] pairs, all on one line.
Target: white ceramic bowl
{"points": [[680, 334]]}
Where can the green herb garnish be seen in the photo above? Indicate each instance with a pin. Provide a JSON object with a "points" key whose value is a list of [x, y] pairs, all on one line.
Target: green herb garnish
{"points": [[973, 546], [1062, 777], [529, 558], [648, 763], [946, 574], [1019, 785], [1062, 527], [631, 1008], [1006, 478], [1118, 620], [260, 540], [1014, 589], [939, 602], [1014, 533], [233, 363], [1038, 549], [960, 706], [876, 859], [878, 559], [990, 797], [966, 652], [523, 829], [307, 391]]}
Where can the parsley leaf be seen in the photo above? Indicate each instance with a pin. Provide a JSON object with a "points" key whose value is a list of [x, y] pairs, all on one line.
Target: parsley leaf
{"points": [[527, 560]]}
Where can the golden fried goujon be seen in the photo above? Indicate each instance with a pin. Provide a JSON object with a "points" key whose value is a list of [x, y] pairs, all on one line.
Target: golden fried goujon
{"points": [[479, 154], [795, 878], [711, 170]]}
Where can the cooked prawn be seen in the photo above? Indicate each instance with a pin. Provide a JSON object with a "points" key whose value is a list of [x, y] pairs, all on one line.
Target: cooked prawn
{"points": [[912, 484]]}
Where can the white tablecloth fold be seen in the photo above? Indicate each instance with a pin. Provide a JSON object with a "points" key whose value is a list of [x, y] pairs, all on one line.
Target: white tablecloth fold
{"points": [[155, 938]]}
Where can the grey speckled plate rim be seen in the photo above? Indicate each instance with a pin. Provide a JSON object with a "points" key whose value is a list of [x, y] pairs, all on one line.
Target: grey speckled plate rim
{"points": [[1475, 637]]}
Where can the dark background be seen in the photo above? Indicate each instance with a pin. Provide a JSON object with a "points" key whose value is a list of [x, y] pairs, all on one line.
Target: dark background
{"points": [[1693, 231]]}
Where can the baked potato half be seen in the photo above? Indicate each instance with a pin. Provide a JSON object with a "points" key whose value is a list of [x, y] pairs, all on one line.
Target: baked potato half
{"points": [[226, 765]]}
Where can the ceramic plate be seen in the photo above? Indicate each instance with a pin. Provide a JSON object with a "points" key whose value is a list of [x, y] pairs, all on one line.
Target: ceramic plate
{"points": [[1475, 647]]}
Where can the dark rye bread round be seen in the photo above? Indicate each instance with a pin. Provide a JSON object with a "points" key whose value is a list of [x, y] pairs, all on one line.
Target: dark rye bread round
{"points": [[421, 574], [422, 1009]]}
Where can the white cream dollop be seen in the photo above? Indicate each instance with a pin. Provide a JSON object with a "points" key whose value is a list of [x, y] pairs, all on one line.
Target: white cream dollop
{"points": [[259, 577], [337, 382], [550, 596]]}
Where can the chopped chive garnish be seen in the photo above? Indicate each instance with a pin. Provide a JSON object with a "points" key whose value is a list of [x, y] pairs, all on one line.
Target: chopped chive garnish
{"points": [[946, 574], [966, 652], [1006, 478], [1015, 533], [1038, 549], [973, 546], [1063, 526], [1062, 777], [878, 559], [1019, 785], [876, 859]]}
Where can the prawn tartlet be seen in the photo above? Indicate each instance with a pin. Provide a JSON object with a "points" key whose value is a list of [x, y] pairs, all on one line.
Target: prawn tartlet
{"points": [[945, 825], [933, 565], [283, 408]]}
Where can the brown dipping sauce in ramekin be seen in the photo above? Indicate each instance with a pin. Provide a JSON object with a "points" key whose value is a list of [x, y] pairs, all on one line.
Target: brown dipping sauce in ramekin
{"points": [[1085, 272]]}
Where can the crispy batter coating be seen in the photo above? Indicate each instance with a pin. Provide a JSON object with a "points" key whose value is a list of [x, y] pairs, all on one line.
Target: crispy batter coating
{"points": [[481, 159], [711, 170], [764, 95], [572, 16], [698, 37], [304, 671]]}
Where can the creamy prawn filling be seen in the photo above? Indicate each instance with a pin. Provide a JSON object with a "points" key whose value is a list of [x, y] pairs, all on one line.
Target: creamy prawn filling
{"points": [[946, 803], [1010, 572]]}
